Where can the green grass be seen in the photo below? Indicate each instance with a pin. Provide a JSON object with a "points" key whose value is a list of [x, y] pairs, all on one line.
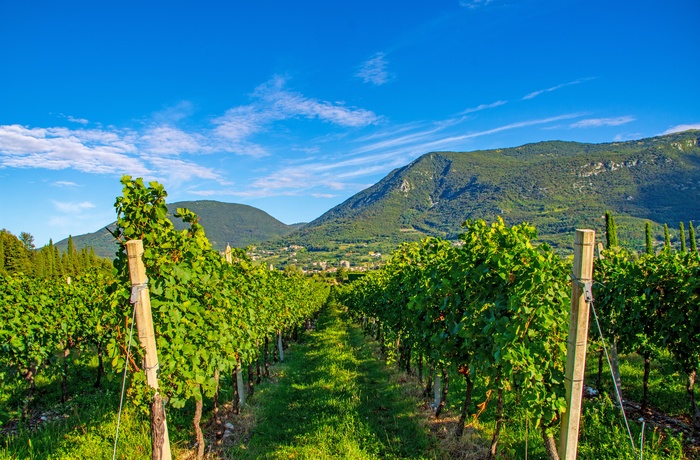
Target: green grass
{"points": [[667, 392], [603, 433], [85, 425], [334, 400]]}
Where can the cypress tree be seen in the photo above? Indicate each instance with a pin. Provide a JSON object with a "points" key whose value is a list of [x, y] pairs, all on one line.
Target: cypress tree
{"points": [[691, 235], [70, 259], [650, 243], [50, 260], [681, 228], [84, 261], [2, 252], [94, 261], [667, 239], [610, 231], [58, 266], [40, 263]]}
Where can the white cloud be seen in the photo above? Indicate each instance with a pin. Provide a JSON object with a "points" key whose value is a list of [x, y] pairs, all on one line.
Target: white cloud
{"points": [[64, 183], [173, 114], [474, 3], [271, 103], [374, 70], [72, 207], [284, 104], [534, 94], [167, 140], [403, 140], [159, 150], [182, 171], [681, 128], [239, 123], [598, 122], [483, 107], [82, 121], [451, 142], [60, 148]]}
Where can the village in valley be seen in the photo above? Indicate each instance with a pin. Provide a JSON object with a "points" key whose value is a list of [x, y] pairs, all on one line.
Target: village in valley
{"points": [[347, 258]]}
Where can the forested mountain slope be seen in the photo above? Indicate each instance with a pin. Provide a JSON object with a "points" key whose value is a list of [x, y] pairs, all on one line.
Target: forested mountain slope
{"points": [[557, 186], [236, 224]]}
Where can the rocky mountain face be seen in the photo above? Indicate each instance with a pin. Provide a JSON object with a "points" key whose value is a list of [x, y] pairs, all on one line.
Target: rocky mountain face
{"points": [[557, 186]]}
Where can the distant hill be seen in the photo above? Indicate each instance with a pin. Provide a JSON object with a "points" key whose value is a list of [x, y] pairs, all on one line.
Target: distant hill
{"points": [[237, 224], [557, 186]]}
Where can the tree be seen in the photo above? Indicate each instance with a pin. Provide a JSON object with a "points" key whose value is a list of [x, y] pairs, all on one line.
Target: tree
{"points": [[610, 231], [51, 262], [27, 240], [69, 261], [58, 266], [650, 243], [2, 254], [292, 270], [667, 239], [341, 275], [681, 228], [17, 259], [691, 235]]}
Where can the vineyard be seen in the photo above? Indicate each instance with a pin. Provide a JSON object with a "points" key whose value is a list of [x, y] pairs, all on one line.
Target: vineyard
{"points": [[211, 316], [494, 310], [482, 324]]}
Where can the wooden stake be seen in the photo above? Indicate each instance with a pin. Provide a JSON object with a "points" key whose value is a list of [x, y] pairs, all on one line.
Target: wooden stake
{"points": [[147, 340], [280, 349], [227, 254], [239, 384], [577, 343]]}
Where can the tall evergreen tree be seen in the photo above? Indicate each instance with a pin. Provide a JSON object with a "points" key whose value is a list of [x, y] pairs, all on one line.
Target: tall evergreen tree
{"points": [[50, 260], [681, 228], [69, 261], [2, 254], [691, 235], [610, 231], [17, 258], [650, 242], [40, 264], [667, 239], [58, 266]]}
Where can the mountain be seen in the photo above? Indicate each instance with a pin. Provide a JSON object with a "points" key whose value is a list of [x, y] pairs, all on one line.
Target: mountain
{"points": [[557, 186], [237, 224]]}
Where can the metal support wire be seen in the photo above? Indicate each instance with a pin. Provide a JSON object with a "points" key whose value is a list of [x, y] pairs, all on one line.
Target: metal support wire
{"points": [[588, 295], [126, 365]]}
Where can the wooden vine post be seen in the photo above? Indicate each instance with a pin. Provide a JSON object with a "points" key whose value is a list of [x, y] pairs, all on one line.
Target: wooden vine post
{"points": [[147, 339], [577, 342]]}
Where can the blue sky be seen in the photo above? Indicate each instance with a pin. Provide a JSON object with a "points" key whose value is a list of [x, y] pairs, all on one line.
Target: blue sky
{"points": [[293, 107]]}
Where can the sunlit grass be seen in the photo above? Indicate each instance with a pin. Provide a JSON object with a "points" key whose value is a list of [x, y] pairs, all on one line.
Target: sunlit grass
{"points": [[334, 401], [334, 398]]}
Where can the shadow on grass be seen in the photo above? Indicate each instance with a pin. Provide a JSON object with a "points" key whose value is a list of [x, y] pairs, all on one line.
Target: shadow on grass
{"points": [[54, 429], [334, 400]]}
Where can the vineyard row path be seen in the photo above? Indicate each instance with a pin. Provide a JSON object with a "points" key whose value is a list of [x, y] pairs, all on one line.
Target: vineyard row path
{"points": [[335, 399]]}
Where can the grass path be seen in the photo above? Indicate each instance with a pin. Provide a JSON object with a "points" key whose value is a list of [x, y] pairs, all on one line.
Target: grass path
{"points": [[334, 400]]}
